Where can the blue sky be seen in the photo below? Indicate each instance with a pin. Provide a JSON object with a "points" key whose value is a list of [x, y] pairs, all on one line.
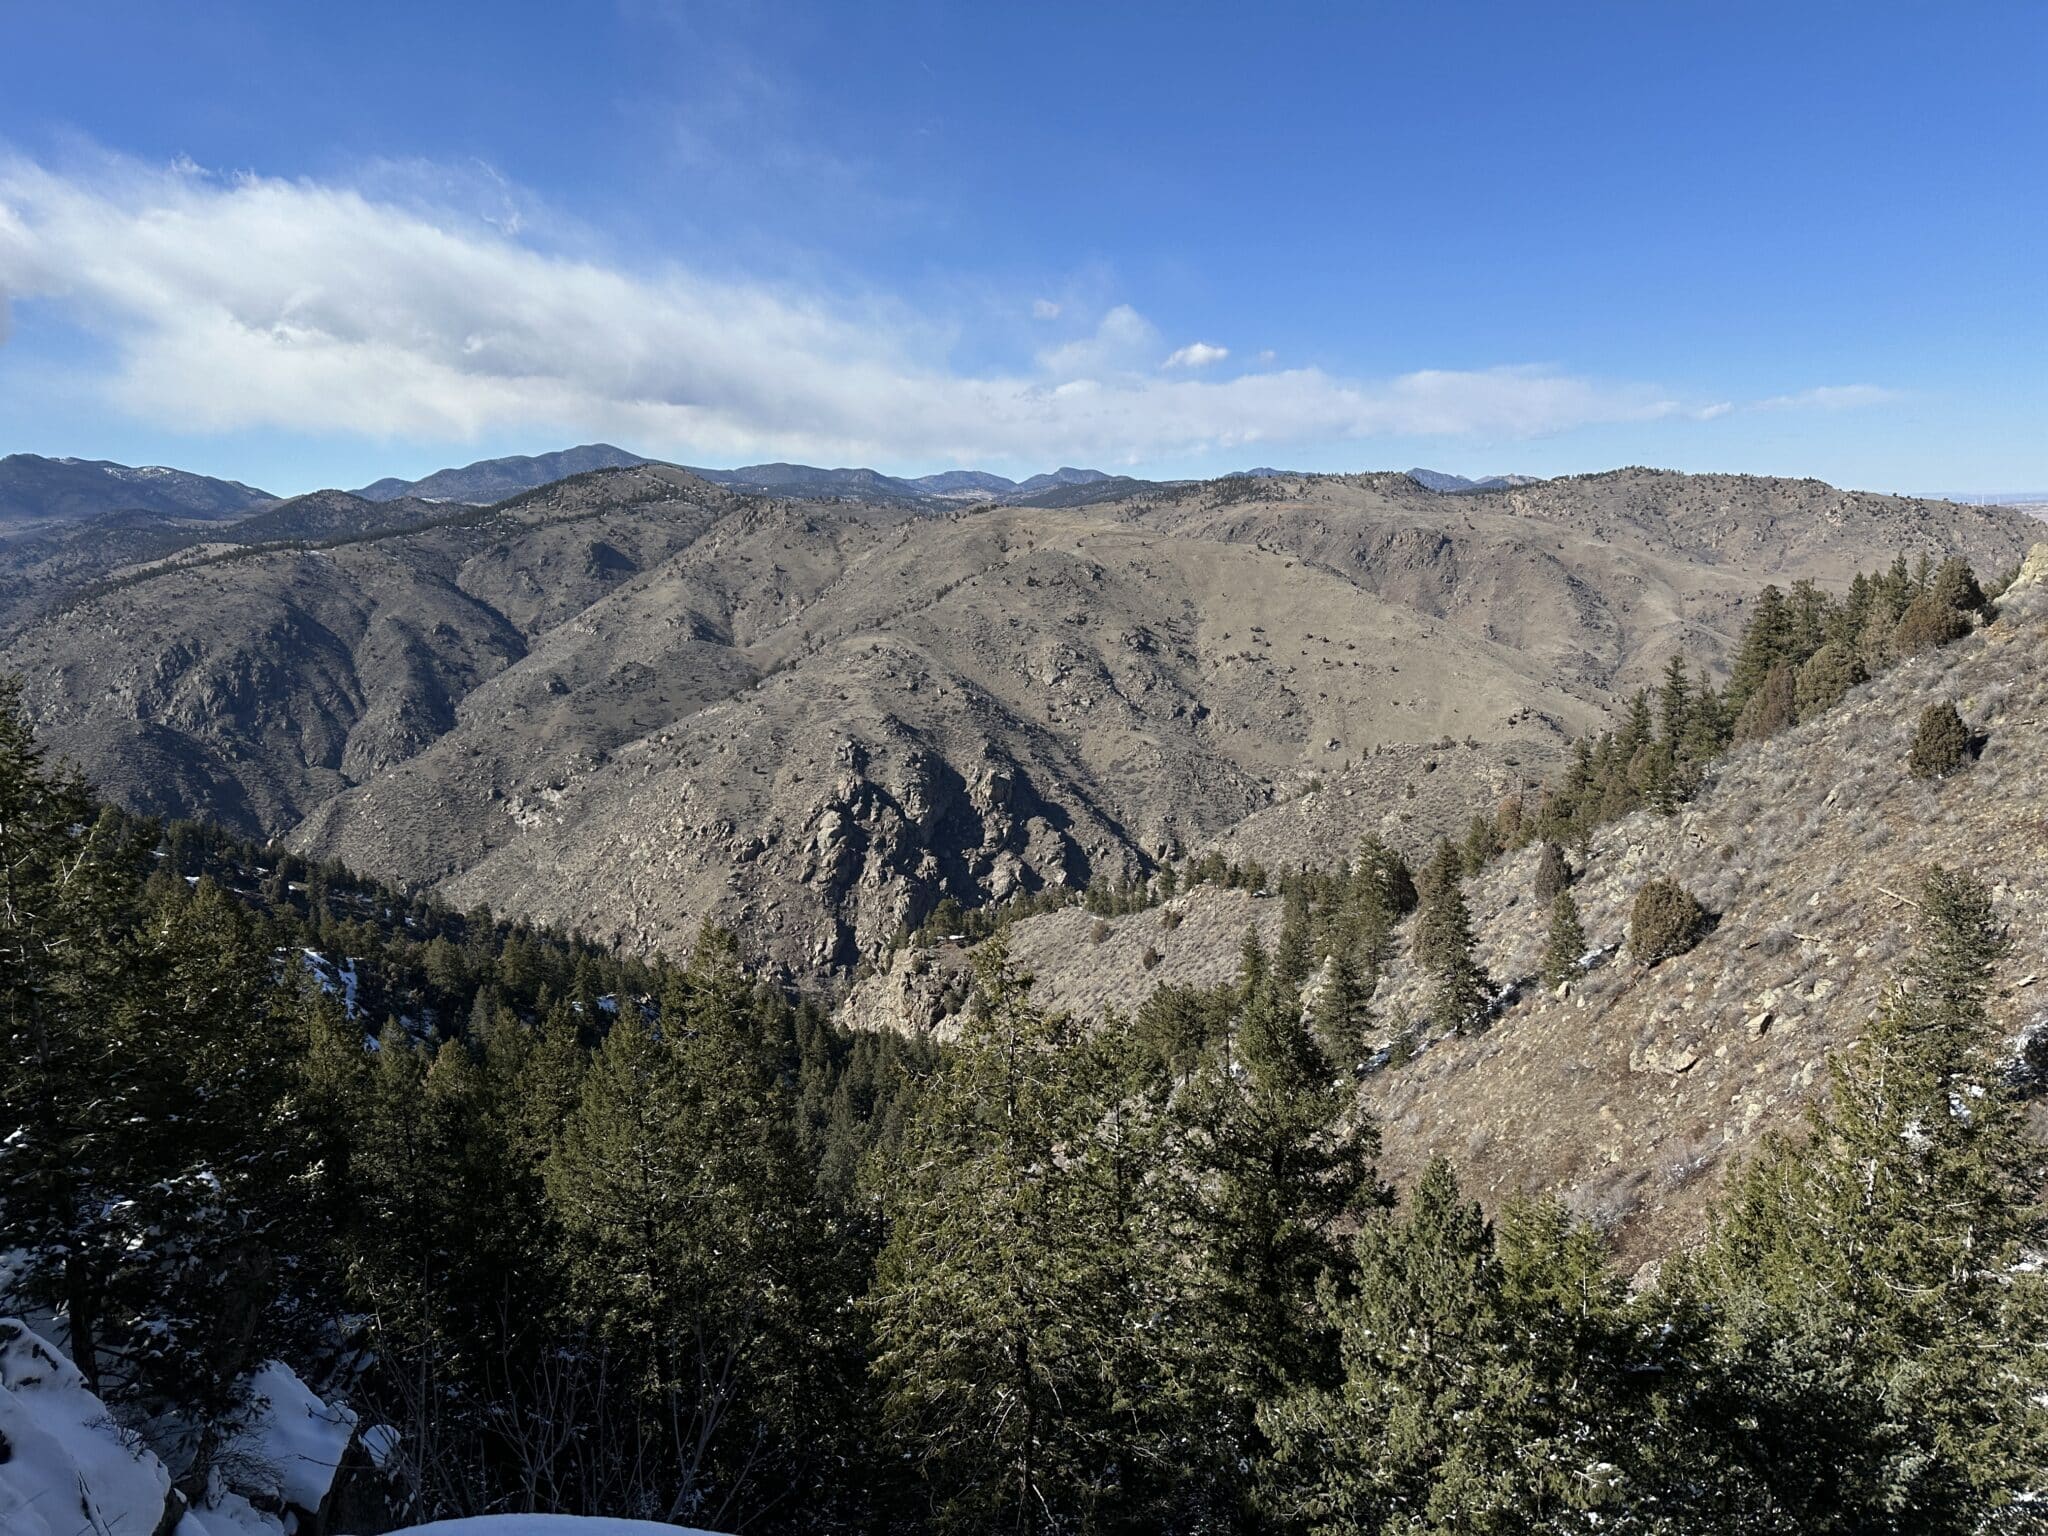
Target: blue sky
{"points": [[314, 245]]}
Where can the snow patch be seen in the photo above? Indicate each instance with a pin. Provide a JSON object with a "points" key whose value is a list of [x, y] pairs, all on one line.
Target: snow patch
{"points": [[291, 1444], [69, 1470]]}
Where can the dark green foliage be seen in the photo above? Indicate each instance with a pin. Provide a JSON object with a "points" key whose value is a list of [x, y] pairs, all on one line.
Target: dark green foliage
{"points": [[1772, 707], [1491, 1382], [1798, 657], [1665, 921], [1827, 677], [1955, 586], [1867, 1286], [1941, 744], [996, 1305], [1481, 844], [1566, 941], [600, 1235], [1553, 874], [1270, 1162], [1444, 950]]}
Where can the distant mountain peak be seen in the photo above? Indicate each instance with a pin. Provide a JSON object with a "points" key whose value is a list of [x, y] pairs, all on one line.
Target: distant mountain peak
{"points": [[34, 489], [1450, 485], [489, 480]]}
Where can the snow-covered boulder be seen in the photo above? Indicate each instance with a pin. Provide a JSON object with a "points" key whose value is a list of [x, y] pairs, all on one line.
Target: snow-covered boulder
{"points": [[289, 1446], [66, 1469]]}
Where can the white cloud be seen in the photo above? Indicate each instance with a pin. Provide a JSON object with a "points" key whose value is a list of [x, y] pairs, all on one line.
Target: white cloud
{"points": [[1124, 341], [243, 302], [1196, 354], [1045, 309], [1829, 397]]}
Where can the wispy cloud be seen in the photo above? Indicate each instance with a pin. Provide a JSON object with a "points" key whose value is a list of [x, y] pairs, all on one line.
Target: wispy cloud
{"points": [[1196, 354], [247, 301], [1829, 397]]}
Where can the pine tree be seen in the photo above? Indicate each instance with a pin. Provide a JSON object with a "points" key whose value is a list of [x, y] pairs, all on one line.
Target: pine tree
{"points": [[1489, 1384], [1292, 961], [1773, 706], [1827, 677], [1928, 622], [1767, 642], [1343, 1007], [1444, 951], [1674, 703], [995, 1311], [1276, 1162], [1553, 874], [1566, 943], [678, 1190], [69, 1082], [1870, 1284], [1482, 844], [1709, 728], [1955, 586], [1384, 873]]}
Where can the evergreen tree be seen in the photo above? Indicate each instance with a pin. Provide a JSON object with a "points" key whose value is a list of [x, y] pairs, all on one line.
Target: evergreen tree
{"points": [[1675, 703], [995, 1307], [1566, 942], [1928, 622], [1553, 874], [1825, 680], [1292, 961], [1276, 1162], [1343, 1008], [1871, 1285], [1482, 844], [1768, 641], [1773, 706], [1665, 920], [1955, 586], [1444, 951], [1487, 1385], [680, 1196], [1941, 744]]}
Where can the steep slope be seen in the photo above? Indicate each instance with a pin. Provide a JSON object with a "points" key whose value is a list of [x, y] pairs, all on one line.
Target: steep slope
{"points": [[1631, 1093], [990, 703], [252, 686], [39, 490]]}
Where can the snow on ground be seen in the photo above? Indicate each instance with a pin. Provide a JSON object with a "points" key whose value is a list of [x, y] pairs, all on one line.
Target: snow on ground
{"points": [[333, 979], [546, 1525], [68, 1470], [292, 1443]]}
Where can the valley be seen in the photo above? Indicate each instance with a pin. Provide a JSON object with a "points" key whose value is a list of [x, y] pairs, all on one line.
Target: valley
{"points": [[631, 701]]}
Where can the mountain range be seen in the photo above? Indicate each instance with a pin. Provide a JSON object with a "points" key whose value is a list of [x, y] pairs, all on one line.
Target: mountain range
{"points": [[634, 699]]}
